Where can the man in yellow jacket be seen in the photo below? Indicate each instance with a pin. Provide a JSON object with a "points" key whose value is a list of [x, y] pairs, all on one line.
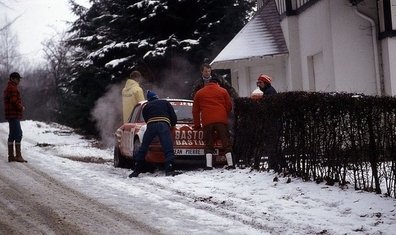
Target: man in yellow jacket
{"points": [[132, 94]]}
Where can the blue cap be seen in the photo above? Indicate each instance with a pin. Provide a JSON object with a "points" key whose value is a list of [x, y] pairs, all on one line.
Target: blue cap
{"points": [[151, 95]]}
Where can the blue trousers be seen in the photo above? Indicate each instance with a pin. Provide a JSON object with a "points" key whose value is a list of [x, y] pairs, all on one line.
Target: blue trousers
{"points": [[162, 130], [15, 133]]}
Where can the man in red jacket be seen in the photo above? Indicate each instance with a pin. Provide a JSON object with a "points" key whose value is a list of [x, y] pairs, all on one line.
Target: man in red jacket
{"points": [[13, 110], [211, 108]]}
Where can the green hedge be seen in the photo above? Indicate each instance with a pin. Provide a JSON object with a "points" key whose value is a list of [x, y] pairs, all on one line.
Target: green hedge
{"points": [[332, 137]]}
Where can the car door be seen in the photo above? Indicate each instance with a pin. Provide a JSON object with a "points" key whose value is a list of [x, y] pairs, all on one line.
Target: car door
{"points": [[130, 129]]}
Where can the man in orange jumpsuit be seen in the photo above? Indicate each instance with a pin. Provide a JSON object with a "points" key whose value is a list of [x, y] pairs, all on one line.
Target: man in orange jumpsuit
{"points": [[211, 108]]}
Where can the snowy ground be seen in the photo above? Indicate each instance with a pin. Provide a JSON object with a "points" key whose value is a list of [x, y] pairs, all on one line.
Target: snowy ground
{"points": [[203, 202]]}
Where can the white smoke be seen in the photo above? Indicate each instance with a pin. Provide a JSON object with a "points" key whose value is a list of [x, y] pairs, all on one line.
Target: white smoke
{"points": [[176, 83], [108, 114]]}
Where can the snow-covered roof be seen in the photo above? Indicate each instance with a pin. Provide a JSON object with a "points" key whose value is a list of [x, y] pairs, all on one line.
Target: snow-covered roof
{"points": [[261, 37]]}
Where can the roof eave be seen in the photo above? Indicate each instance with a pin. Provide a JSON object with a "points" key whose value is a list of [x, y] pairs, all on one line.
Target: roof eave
{"points": [[226, 64]]}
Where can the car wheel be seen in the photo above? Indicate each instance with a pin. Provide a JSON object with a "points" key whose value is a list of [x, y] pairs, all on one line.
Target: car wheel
{"points": [[119, 159], [136, 146], [148, 167]]}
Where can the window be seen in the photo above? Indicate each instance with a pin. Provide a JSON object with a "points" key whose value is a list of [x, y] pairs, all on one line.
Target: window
{"points": [[135, 112], [293, 7]]}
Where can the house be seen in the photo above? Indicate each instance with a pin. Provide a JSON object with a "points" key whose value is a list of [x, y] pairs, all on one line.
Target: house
{"points": [[316, 45]]}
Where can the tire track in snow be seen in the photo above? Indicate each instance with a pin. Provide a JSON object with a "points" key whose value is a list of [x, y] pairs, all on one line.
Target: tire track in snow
{"points": [[225, 208], [32, 202]]}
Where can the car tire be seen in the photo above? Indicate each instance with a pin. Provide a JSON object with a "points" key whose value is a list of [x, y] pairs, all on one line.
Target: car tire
{"points": [[136, 146], [148, 167], [119, 159]]}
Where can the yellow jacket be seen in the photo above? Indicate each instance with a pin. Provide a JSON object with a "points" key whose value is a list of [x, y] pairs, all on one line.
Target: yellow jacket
{"points": [[132, 93]]}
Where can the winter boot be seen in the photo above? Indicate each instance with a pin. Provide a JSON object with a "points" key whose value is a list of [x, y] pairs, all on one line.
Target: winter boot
{"points": [[11, 156], [169, 169], [230, 164], [209, 158], [18, 156], [139, 167]]}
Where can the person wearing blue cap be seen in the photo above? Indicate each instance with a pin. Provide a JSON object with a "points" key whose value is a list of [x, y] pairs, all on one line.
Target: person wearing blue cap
{"points": [[160, 118]]}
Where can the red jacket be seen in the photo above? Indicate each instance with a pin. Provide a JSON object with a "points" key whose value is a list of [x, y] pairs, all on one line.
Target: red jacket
{"points": [[13, 107], [212, 104]]}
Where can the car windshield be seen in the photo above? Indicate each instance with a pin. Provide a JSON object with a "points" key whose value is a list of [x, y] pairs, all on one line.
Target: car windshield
{"points": [[183, 111]]}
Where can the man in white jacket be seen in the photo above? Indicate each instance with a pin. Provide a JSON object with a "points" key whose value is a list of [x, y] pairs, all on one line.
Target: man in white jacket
{"points": [[132, 94]]}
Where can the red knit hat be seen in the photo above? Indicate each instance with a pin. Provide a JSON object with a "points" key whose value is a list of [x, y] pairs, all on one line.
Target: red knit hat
{"points": [[264, 78]]}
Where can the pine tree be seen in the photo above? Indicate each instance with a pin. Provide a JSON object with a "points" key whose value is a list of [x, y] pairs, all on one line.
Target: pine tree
{"points": [[166, 40]]}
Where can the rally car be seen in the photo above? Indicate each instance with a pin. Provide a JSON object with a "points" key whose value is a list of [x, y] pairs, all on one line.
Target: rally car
{"points": [[188, 143]]}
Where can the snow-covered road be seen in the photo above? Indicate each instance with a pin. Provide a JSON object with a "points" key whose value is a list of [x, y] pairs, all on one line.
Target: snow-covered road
{"points": [[32, 202], [102, 199]]}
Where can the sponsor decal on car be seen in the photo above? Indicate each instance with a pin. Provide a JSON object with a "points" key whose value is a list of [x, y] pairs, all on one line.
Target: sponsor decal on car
{"points": [[184, 136], [192, 152]]}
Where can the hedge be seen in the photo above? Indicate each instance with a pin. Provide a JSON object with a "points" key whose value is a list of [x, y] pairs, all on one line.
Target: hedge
{"points": [[332, 137]]}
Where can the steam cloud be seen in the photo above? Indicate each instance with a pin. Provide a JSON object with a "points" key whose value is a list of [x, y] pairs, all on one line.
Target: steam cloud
{"points": [[175, 83], [108, 114]]}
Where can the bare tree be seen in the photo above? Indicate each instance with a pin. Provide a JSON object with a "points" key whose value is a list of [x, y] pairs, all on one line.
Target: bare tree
{"points": [[39, 95], [7, 24], [57, 54], [9, 52], [3, 26]]}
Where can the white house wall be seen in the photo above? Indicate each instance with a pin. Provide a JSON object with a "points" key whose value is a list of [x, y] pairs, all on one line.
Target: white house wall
{"points": [[336, 49], [244, 73], [293, 67], [330, 49], [315, 39], [389, 65], [274, 67], [354, 63]]}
